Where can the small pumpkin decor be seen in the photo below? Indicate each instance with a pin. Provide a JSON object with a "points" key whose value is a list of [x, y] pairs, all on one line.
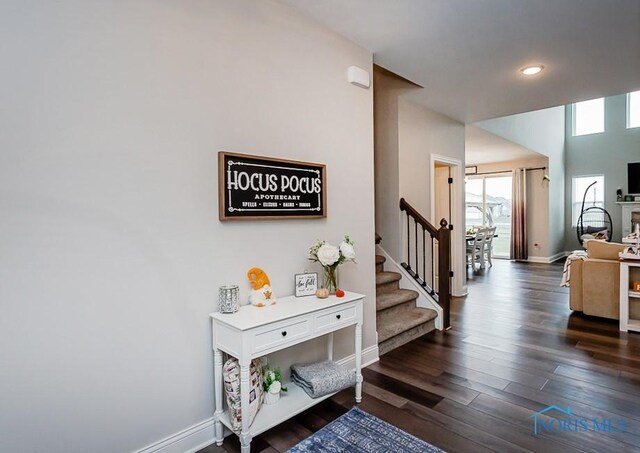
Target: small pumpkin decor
{"points": [[322, 293]]}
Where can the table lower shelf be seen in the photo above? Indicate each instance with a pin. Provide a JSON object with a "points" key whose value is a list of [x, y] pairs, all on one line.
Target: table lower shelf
{"points": [[291, 403], [633, 324]]}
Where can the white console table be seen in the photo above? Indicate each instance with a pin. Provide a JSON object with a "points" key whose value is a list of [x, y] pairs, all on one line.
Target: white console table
{"points": [[257, 331]]}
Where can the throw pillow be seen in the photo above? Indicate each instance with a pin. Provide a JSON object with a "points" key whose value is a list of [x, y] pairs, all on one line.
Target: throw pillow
{"points": [[604, 250], [231, 375]]}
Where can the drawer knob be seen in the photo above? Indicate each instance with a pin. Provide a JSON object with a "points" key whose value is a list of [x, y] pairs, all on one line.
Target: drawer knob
{"points": [[284, 333], [338, 316]]}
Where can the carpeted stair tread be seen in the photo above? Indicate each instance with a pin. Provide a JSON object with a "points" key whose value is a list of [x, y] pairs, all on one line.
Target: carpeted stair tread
{"points": [[404, 321], [383, 278], [400, 296], [380, 259], [406, 336]]}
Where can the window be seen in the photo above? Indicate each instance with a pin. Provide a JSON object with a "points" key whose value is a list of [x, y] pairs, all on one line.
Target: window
{"points": [[633, 109], [595, 195], [588, 117]]}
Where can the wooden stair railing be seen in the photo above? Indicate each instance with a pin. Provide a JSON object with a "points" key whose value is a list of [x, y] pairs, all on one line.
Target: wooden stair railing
{"points": [[427, 279]]}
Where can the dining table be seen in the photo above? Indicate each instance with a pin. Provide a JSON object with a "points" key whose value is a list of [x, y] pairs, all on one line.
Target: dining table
{"points": [[471, 237]]}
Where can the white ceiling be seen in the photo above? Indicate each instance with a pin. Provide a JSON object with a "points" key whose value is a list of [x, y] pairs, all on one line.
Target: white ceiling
{"points": [[482, 147], [467, 53]]}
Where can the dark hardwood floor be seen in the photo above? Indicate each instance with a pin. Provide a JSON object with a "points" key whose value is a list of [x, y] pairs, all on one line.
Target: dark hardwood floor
{"points": [[514, 349]]}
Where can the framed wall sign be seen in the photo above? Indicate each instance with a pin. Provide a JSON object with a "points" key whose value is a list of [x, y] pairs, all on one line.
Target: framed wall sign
{"points": [[472, 170], [306, 284], [263, 188]]}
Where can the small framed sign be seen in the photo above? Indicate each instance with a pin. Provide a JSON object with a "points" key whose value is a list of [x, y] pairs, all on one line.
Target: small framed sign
{"points": [[472, 170], [306, 284]]}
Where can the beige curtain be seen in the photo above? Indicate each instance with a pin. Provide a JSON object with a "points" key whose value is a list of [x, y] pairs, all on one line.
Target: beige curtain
{"points": [[519, 249]]}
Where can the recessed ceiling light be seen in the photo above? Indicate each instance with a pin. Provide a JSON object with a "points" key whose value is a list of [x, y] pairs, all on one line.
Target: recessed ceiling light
{"points": [[532, 70]]}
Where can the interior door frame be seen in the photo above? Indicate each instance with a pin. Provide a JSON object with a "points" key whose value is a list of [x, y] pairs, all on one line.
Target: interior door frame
{"points": [[456, 203]]}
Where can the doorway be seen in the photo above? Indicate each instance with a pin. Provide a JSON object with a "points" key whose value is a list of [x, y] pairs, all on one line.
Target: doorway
{"points": [[447, 203], [488, 204]]}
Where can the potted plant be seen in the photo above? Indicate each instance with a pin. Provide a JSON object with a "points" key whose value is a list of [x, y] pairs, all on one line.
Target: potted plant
{"points": [[272, 386]]}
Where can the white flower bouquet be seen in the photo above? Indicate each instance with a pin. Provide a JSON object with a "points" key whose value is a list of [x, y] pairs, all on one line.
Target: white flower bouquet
{"points": [[330, 257]]}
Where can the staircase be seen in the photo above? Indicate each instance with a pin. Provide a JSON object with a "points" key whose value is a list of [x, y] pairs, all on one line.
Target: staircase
{"points": [[398, 318]]}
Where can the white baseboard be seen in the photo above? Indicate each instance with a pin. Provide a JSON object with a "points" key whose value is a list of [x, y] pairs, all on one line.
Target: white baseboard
{"points": [[548, 259], [188, 440], [369, 355], [200, 435]]}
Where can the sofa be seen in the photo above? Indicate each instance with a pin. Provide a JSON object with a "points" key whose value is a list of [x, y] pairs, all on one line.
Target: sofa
{"points": [[595, 282]]}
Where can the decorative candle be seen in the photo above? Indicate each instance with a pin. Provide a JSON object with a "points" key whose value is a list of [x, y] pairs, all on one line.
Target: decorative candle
{"points": [[229, 301]]}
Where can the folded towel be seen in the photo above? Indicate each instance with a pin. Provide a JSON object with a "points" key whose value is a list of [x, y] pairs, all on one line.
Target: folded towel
{"points": [[323, 378]]}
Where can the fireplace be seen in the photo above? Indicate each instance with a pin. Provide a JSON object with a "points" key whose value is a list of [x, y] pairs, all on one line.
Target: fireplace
{"points": [[630, 217]]}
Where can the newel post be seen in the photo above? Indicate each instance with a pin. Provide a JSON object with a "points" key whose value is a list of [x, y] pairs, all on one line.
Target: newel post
{"points": [[444, 272]]}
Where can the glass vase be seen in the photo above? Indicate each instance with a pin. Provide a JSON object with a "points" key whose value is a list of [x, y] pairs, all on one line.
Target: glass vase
{"points": [[330, 278]]}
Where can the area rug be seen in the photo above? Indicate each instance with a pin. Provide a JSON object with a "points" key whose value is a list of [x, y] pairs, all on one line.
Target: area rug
{"points": [[357, 431]]}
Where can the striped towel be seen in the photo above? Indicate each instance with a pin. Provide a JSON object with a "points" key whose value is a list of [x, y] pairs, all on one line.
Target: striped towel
{"points": [[566, 273]]}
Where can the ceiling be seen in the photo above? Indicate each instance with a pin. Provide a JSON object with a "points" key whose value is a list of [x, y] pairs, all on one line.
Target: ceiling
{"points": [[467, 53], [482, 147]]}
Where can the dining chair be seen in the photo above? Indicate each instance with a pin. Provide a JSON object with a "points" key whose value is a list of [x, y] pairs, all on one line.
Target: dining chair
{"points": [[488, 244], [475, 250]]}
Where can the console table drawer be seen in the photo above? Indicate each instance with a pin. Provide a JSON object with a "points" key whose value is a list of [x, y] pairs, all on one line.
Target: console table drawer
{"points": [[345, 315], [285, 333]]}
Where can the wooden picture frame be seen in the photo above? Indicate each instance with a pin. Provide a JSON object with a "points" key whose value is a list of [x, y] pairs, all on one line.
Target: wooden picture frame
{"points": [[471, 170], [267, 188], [306, 284]]}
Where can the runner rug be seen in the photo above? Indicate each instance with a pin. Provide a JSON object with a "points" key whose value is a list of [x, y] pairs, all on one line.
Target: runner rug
{"points": [[356, 431]]}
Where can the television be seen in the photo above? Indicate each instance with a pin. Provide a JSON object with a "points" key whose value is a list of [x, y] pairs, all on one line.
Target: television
{"points": [[633, 177]]}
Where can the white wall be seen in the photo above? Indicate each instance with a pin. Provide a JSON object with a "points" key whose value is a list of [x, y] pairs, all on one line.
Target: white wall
{"points": [[112, 252], [424, 132], [542, 131], [387, 89], [407, 135], [607, 154]]}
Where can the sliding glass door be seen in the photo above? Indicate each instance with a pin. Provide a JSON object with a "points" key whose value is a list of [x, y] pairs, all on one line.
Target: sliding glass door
{"points": [[488, 203]]}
